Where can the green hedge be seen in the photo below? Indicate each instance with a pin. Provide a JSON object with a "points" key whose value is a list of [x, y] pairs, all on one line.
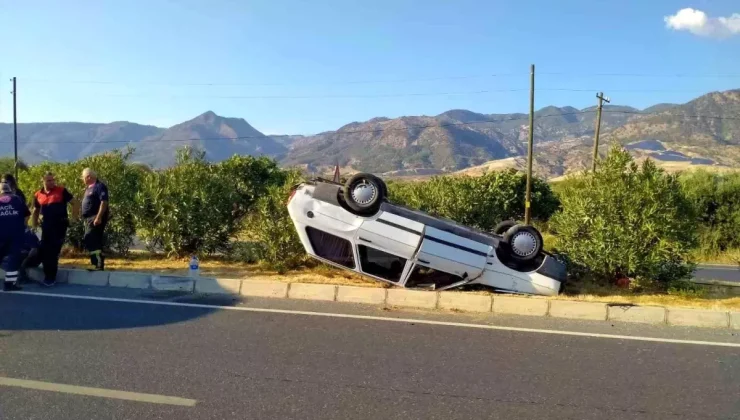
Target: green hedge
{"points": [[626, 220], [623, 220], [480, 202], [196, 206], [716, 201]]}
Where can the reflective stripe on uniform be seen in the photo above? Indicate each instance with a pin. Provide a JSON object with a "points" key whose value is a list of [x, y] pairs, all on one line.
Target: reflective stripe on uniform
{"points": [[11, 276]]}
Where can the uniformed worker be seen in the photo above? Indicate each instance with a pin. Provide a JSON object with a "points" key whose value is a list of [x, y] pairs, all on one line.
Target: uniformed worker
{"points": [[95, 215], [50, 202], [13, 218]]}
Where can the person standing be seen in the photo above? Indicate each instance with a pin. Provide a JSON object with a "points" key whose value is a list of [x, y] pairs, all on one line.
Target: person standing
{"points": [[95, 215], [51, 203], [13, 218]]}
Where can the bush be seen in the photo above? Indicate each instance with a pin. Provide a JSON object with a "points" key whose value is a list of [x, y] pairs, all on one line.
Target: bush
{"points": [[626, 220], [480, 202], [196, 206], [270, 226], [716, 200]]}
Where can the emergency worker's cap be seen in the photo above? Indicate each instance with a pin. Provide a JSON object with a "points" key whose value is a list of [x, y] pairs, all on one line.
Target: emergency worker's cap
{"points": [[5, 188]]}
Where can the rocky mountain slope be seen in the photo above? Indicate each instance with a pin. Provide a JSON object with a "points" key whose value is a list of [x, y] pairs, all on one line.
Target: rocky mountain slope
{"points": [[449, 141], [70, 141], [219, 137], [704, 131]]}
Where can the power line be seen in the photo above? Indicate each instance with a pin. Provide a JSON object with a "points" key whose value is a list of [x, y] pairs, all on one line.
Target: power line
{"points": [[713, 117], [385, 95], [676, 75], [389, 95], [381, 130], [303, 83], [377, 81]]}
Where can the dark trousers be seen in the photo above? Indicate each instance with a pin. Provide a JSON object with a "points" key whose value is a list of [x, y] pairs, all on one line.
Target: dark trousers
{"points": [[30, 259], [10, 252], [94, 240], [52, 240]]}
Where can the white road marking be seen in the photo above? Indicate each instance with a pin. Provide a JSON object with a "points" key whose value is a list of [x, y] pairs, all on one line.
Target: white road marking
{"points": [[387, 319], [96, 392]]}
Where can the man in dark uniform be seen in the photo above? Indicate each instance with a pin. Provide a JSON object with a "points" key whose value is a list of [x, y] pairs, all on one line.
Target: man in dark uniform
{"points": [[95, 216], [13, 217], [51, 203]]}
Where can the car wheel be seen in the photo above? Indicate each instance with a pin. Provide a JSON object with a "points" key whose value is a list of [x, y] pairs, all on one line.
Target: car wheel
{"points": [[524, 242], [502, 227], [363, 193]]}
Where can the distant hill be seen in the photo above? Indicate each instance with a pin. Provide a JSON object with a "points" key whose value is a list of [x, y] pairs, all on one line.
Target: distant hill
{"points": [[450, 141], [70, 141], [702, 132], [219, 137]]}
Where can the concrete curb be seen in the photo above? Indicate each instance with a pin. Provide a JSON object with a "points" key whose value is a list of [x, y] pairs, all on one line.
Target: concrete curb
{"points": [[405, 298]]}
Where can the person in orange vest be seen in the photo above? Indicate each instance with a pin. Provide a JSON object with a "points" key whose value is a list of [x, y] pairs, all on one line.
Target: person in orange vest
{"points": [[50, 202]]}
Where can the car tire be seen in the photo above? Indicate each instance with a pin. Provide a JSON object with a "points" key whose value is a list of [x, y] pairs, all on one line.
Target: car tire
{"points": [[363, 194], [524, 243], [502, 227], [382, 185]]}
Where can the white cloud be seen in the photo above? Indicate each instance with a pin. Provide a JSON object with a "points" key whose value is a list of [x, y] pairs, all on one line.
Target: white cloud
{"points": [[698, 23]]}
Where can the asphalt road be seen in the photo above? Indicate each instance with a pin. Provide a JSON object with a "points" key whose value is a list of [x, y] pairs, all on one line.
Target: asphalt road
{"points": [[270, 365], [718, 272]]}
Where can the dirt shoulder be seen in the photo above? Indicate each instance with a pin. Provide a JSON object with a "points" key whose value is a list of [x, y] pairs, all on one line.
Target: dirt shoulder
{"points": [[216, 267]]}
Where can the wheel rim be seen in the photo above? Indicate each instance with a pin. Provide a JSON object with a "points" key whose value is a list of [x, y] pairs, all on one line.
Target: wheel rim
{"points": [[364, 193], [524, 244]]}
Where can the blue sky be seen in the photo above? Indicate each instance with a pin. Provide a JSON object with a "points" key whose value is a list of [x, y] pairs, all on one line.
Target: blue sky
{"points": [[295, 66]]}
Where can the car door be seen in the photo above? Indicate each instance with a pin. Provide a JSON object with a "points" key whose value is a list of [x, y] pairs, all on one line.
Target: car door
{"points": [[392, 234], [453, 254], [381, 264]]}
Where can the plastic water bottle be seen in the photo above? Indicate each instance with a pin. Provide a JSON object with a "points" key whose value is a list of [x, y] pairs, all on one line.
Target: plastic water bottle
{"points": [[194, 267]]}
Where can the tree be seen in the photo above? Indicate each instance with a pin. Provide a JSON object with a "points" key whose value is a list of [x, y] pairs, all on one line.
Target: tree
{"points": [[626, 220]]}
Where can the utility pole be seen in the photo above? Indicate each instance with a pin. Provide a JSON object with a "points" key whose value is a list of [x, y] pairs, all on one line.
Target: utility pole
{"points": [[602, 99], [15, 131], [527, 203]]}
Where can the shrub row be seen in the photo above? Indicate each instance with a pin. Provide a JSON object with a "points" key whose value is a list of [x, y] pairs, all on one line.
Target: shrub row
{"points": [[624, 220], [194, 206]]}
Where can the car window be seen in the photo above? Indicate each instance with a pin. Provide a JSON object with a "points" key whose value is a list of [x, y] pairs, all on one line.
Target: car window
{"points": [[424, 277], [330, 247], [381, 264]]}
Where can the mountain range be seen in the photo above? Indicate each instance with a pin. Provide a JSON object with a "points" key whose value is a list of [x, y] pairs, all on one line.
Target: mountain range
{"points": [[704, 131]]}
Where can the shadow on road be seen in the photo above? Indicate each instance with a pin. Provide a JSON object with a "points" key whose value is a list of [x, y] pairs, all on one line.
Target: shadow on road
{"points": [[22, 312]]}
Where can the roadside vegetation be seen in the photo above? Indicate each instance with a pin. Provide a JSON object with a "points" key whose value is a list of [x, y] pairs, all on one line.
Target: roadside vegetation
{"points": [[628, 230]]}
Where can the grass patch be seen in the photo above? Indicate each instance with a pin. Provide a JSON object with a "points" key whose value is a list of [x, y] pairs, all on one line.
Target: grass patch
{"points": [[731, 257], [679, 295], [220, 267]]}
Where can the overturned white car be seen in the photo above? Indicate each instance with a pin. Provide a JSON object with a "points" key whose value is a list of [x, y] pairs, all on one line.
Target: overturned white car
{"points": [[354, 227]]}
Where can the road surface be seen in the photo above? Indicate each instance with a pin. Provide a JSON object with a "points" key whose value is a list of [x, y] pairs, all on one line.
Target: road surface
{"points": [[718, 272], [70, 358]]}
